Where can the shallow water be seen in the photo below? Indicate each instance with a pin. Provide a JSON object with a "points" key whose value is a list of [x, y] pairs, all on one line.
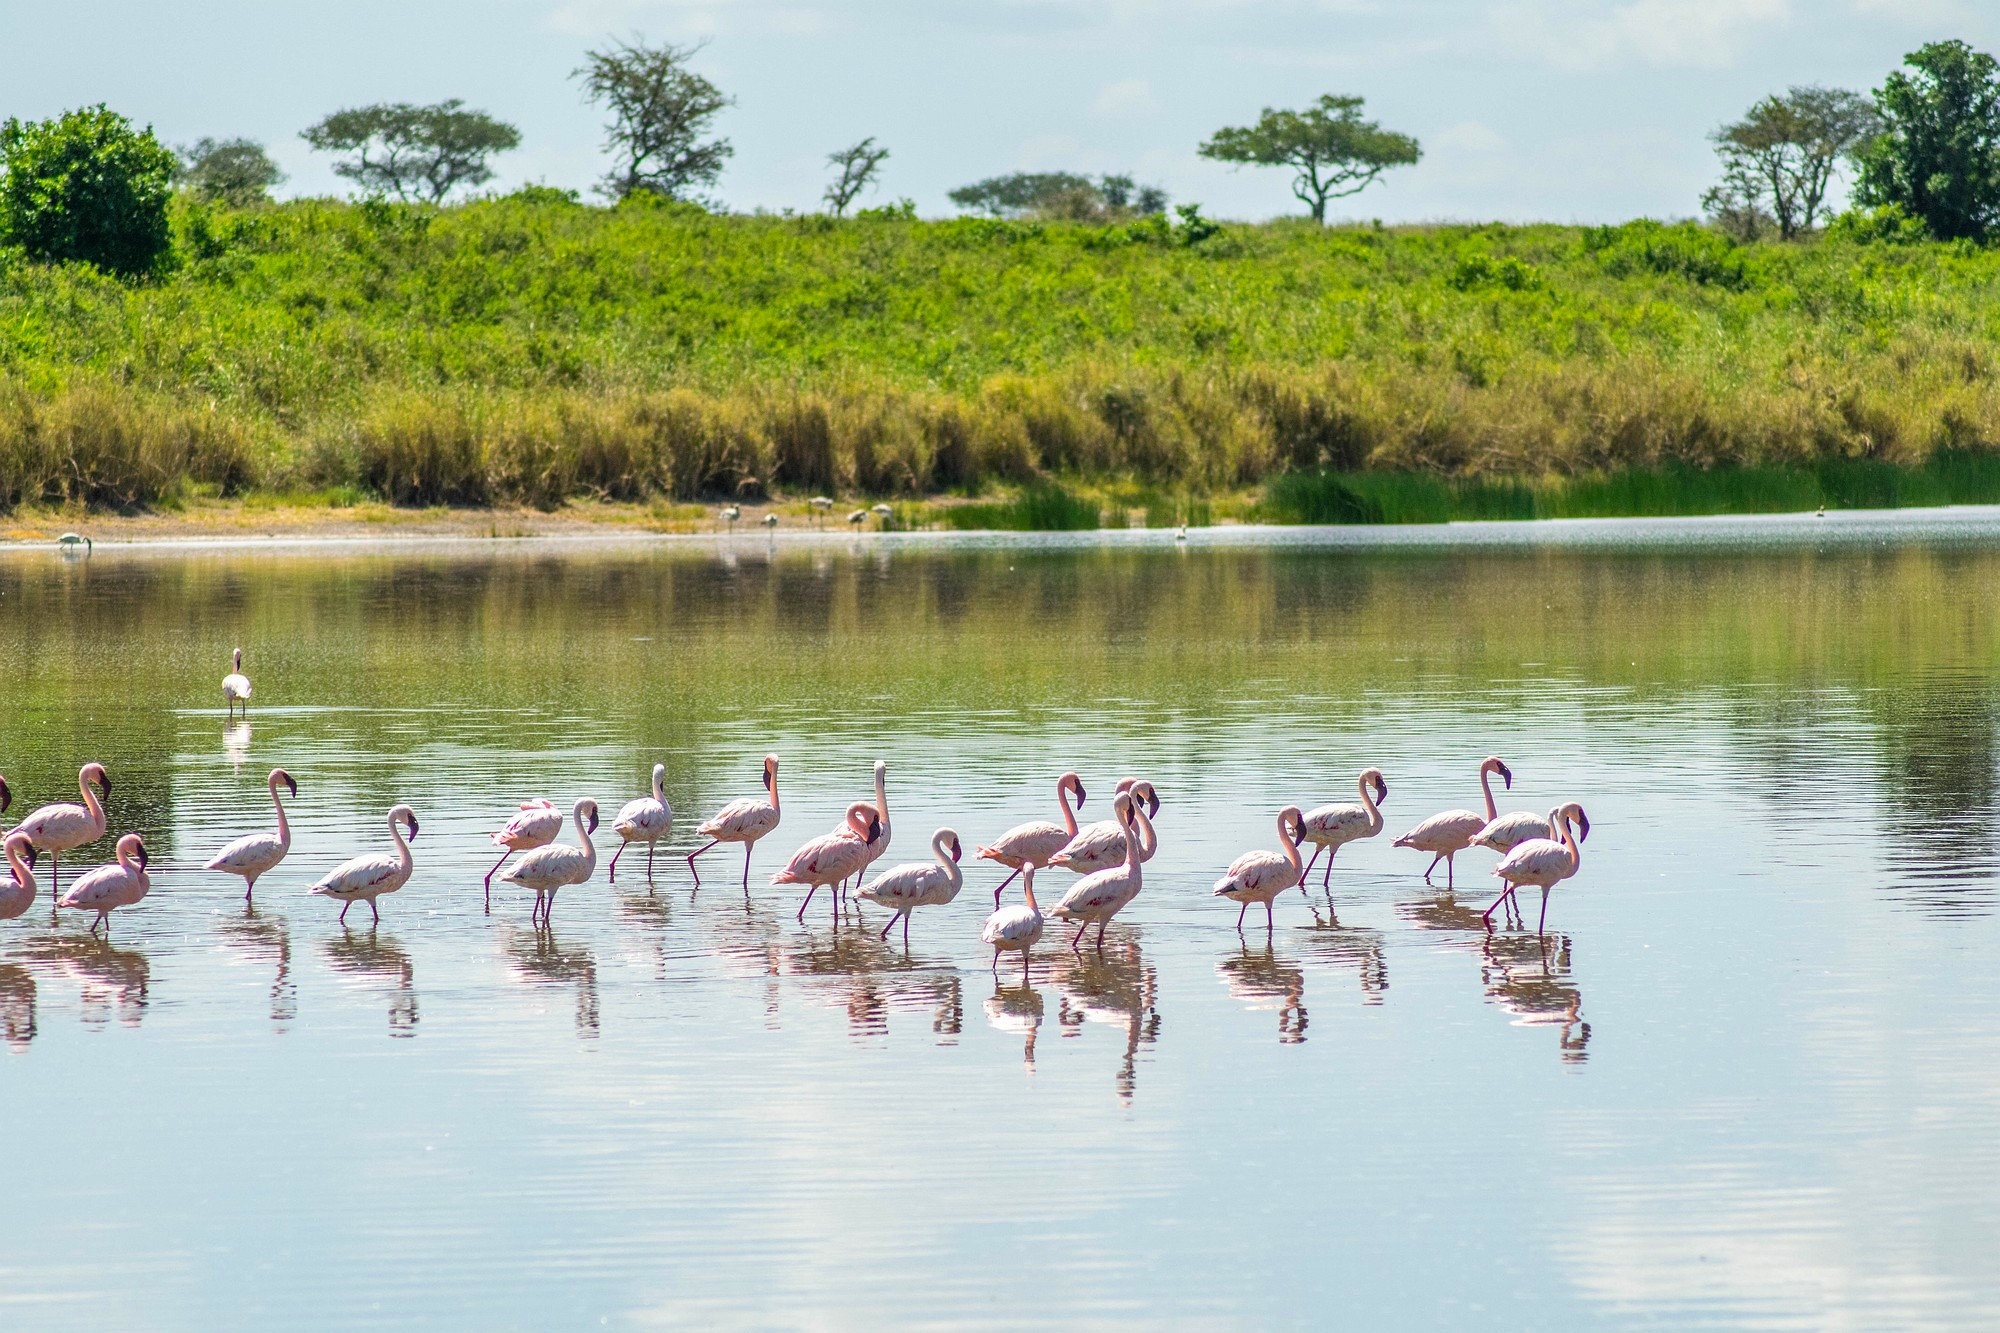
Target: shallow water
{"points": [[1746, 1080]]}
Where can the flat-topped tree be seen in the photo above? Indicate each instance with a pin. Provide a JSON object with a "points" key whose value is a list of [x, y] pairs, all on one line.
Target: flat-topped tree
{"points": [[1332, 151], [413, 152]]}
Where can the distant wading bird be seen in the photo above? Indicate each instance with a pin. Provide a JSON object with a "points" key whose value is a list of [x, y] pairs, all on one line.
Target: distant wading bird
{"points": [[857, 517], [69, 541], [646, 819], [17, 895], [64, 827], [1331, 827], [369, 877], [1544, 862], [256, 854], [1032, 844], [1101, 846], [236, 686], [547, 869], [905, 888], [1017, 928], [743, 821], [536, 825], [832, 857], [1101, 896], [110, 887], [1260, 876], [1446, 835]]}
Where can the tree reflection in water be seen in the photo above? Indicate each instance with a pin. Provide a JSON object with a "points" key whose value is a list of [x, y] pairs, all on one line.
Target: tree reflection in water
{"points": [[375, 956], [1115, 986]]}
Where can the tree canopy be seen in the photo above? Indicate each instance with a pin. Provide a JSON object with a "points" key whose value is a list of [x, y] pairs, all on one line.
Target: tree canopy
{"points": [[858, 165], [86, 186], [660, 111], [1060, 194], [1778, 161], [413, 152], [1939, 159], [1331, 150], [237, 172]]}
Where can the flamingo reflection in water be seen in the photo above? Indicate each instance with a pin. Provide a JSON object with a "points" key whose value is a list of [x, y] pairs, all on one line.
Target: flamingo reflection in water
{"points": [[1529, 977], [537, 958], [1264, 980], [265, 939], [373, 956], [17, 1006], [871, 980], [1362, 948], [1017, 1009], [1115, 986], [110, 981]]}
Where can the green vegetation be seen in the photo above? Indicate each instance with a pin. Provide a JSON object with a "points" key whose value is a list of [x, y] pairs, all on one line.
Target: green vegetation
{"points": [[532, 349], [88, 188]]}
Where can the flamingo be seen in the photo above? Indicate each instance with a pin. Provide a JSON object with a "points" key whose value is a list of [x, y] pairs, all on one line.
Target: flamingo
{"points": [[883, 512], [770, 520], [255, 854], [905, 888], [743, 821], [881, 844], [1506, 832], [64, 827], [18, 894], [820, 505], [647, 819], [1016, 927], [1033, 843], [1260, 876], [375, 874], [732, 513], [535, 826], [109, 887], [857, 517], [832, 857], [547, 869], [1100, 896], [1101, 846], [1330, 827], [236, 687], [1544, 862], [1446, 835]]}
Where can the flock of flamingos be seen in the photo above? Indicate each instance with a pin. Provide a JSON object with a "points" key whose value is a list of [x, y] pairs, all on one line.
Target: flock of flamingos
{"points": [[1539, 850]]}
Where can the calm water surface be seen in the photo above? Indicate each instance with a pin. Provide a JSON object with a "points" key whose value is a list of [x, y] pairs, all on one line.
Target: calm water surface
{"points": [[1749, 1079]]}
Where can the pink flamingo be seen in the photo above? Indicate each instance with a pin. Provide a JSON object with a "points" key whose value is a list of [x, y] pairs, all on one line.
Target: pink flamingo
{"points": [[535, 826], [1101, 846], [1100, 896], [17, 895], [903, 889], [257, 854], [64, 827], [1446, 835], [1543, 861], [832, 857], [743, 821], [1260, 876], [369, 876], [1331, 827], [1033, 843], [109, 887], [1018, 928], [881, 845]]}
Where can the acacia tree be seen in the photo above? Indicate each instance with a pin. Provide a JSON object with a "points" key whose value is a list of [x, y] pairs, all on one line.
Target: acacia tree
{"points": [[1780, 158], [86, 186], [1939, 159], [413, 152], [237, 172], [857, 172], [660, 109], [1331, 150]]}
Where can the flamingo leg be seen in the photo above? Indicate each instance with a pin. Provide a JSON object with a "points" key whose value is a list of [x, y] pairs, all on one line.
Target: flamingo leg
{"points": [[614, 860], [1243, 907], [1269, 924], [1545, 913], [1447, 871], [55, 876], [649, 859], [811, 889], [1312, 861], [906, 930], [343, 910], [375, 917], [836, 908], [1487, 915], [1078, 937], [249, 887], [1100, 933], [747, 847], [1003, 888], [1432, 866], [697, 852], [1325, 876], [886, 929], [494, 871]]}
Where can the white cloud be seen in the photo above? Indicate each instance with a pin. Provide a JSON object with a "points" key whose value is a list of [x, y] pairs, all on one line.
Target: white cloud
{"points": [[1596, 34], [1127, 97]]}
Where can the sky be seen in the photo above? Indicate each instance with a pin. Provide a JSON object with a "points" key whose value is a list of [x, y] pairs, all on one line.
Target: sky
{"points": [[1527, 110]]}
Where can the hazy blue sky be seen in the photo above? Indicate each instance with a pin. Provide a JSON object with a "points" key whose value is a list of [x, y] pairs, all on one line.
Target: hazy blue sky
{"points": [[1559, 109]]}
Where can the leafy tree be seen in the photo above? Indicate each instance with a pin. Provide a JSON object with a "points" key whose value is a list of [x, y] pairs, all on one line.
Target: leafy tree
{"points": [[660, 109], [1940, 157], [237, 172], [1780, 158], [857, 172], [86, 186], [1061, 195], [1331, 150], [413, 152]]}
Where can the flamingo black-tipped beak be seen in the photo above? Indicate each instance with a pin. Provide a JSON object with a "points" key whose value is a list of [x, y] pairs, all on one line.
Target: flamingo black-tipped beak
{"points": [[1583, 826], [34, 855], [413, 827], [957, 851], [6, 795], [1506, 776], [145, 859], [767, 779], [104, 783], [874, 829], [1152, 803], [593, 821], [1381, 790], [291, 785], [1080, 797]]}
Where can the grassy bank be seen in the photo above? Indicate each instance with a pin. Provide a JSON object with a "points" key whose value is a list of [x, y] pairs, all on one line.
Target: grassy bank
{"points": [[530, 350]]}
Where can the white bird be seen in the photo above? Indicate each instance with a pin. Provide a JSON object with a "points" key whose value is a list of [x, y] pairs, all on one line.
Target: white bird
{"points": [[547, 869], [881, 843], [1543, 861], [64, 827], [743, 821], [1446, 835], [17, 895], [256, 854], [535, 825], [832, 857], [905, 888], [109, 887], [1033, 843], [647, 819], [375, 874], [857, 517], [1101, 896], [820, 504], [732, 513], [1260, 876], [884, 512], [1016, 927], [236, 686], [770, 520], [1101, 846], [1330, 827]]}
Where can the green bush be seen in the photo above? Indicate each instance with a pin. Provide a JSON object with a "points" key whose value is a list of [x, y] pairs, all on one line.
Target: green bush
{"points": [[88, 188]]}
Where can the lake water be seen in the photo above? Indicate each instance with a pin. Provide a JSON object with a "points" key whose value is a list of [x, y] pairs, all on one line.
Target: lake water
{"points": [[1750, 1078]]}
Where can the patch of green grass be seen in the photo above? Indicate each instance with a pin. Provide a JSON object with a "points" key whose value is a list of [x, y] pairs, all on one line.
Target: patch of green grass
{"points": [[1037, 509]]}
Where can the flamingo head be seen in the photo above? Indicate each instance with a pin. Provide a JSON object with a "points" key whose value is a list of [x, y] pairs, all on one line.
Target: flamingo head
{"points": [[1124, 785], [408, 816], [957, 849], [1498, 765], [280, 775], [1575, 812], [238, 659], [586, 814], [1374, 775], [133, 846], [1292, 821], [1121, 808], [6, 795], [95, 773], [771, 773], [1071, 782], [29, 852], [1143, 794], [866, 823]]}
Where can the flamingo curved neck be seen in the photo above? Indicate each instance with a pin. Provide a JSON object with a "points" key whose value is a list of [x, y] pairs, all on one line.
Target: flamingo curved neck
{"points": [[1149, 837], [659, 783], [1374, 811], [951, 871], [1069, 815], [90, 801], [1028, 887], [1486, 790], [1291, 845], [396, 832], [284, 826], [772, 788], [24, 875], [589, 847], [1569, 838]]}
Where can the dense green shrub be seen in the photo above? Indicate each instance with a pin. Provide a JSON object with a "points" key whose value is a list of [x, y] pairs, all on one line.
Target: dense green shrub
{"points": [[86, 187]]}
